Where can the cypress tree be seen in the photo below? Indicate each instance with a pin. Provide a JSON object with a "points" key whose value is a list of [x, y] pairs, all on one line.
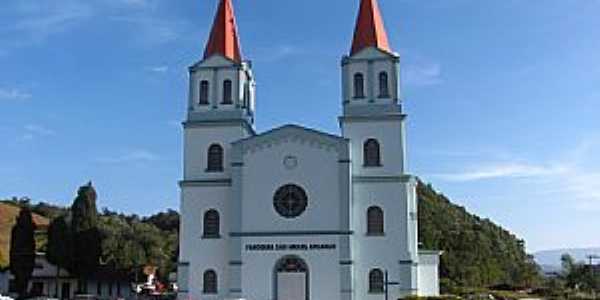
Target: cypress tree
{"points": [[22, 251], [59, 248], [85, 233]]}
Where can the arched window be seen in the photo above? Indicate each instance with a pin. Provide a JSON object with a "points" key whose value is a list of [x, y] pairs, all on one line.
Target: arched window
{"points": [[211, 224], [246, 103], [359, 85], [384, 91], [371, 155], [375, 221], [227, 92], [215, 158], [203, 98], [210, 282], [376, 281]]}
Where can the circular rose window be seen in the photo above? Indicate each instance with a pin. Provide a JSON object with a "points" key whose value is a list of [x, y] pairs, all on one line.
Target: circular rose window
{"points": [[290, 201]]}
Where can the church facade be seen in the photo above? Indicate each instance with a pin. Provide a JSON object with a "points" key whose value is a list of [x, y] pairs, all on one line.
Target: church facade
{"points": [[294, 213]]}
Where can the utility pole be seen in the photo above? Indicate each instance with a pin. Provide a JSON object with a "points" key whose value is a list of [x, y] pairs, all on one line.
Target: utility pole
{"points": [[387, 283], [591, 257]]}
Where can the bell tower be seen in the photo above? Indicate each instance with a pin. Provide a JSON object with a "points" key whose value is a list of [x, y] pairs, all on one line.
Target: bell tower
{"points": [[384, 209], [220, 111], [222, 84]]}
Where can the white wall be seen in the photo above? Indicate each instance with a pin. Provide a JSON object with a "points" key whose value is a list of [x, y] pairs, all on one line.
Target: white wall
{"points": [[429, 274], [317, 173], [389, 134], [324, 269], [196, 143]]}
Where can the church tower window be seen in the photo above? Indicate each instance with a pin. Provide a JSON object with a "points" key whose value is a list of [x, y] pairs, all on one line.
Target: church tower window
{"points": [[227, 92], [384, 91], [211, 224], [375, 221], [376, 281], [359, 85], [210, 282], [215, 158], [372, 155], [204, 87]]}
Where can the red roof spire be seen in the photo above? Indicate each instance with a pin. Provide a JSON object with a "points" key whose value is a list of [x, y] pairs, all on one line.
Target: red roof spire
{"points": [[224, 38], [370, 31]]}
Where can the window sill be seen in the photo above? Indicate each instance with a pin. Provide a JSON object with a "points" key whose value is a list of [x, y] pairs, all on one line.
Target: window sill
{"points": [[211, 237], [376, 292], [204, 104], [373, 166], [375, 234], [214, 171], [359, 98]]}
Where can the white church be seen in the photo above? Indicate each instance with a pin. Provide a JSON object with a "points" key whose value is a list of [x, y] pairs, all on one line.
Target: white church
{"points": [[294, 213]]}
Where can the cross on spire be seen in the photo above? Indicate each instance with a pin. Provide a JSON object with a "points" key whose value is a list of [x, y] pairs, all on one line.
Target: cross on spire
{"points": [[224, 39], [370, 30]]}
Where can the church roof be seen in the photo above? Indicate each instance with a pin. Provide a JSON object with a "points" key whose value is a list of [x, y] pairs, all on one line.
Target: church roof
{"points": [[370, 30], [224, 38], [291, 130]]}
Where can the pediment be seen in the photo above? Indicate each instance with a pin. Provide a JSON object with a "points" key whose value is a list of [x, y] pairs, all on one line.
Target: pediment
{"points": [[373, 53], [293, 134], [215, 61]]}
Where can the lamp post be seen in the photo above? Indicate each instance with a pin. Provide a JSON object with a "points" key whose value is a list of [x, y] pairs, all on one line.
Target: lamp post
{"points": [[387, 283]]}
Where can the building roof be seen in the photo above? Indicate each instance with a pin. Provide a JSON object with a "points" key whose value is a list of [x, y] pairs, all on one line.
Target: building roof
{"points": [[224, 39], [370, 30]]}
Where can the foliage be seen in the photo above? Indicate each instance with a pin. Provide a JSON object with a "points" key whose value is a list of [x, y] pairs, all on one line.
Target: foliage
{"points": [[60, 245], [578, 275], [477, 252], [85, 233], [166, 221], [131, 244], [22, 251]]}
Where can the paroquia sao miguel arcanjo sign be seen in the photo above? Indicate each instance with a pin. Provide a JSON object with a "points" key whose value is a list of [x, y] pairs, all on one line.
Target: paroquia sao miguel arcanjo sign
{"points": [[289, 247]]}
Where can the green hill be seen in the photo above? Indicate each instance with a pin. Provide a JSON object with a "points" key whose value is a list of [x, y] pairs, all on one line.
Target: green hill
{"points": [[477, 252], [8, 213]]}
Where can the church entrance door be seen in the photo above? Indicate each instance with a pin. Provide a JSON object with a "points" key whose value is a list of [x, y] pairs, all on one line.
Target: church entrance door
{"points": [[291, 279]]}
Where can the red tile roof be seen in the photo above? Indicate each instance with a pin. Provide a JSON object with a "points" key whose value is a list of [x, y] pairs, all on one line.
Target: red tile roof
{"points": [[370, 31], [224, 39]]}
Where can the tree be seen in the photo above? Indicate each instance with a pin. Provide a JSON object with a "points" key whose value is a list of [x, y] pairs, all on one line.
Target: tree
{"points": [[59, 249], [22, 251], [86, 236]]}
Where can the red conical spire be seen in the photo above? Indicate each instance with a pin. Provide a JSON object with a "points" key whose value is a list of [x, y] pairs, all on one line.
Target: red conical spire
{"points": [[370, 31], [224, 38]]}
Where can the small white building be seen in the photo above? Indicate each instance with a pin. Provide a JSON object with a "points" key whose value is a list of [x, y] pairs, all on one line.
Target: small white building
{"points": [[105, 284], [294, 213]]}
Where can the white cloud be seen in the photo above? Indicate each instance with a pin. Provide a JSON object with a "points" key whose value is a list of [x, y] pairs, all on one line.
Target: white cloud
{"points": [[36, 21], [13, 94], [422, 74], [131, 156], [39, 130], [276, 53], [503, 170], [158, 69], [30, 22], [575, 176]]}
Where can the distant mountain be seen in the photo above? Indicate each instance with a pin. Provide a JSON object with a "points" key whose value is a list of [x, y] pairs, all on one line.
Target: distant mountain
{"points": [[9, 212], [550, 259]]}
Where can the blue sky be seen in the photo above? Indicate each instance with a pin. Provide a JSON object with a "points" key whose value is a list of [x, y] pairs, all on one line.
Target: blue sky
{"points": [[503, 98]]}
